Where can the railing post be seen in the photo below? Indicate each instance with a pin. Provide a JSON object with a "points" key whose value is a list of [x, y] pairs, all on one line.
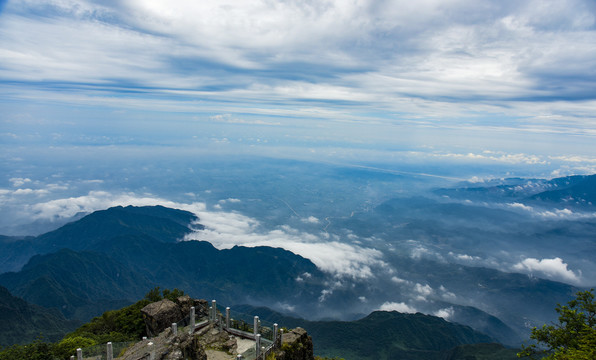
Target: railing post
{"points": [[174, 329], [258, 345], [79, 354], [256, 326], [214, 310], [220, 322], [192, 320], [72, 357], [228, 317], [109, 351], [275, 330], [151, 351]]}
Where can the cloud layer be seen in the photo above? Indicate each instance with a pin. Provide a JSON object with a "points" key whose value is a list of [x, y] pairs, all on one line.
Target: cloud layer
{"points": [[530, 65]]}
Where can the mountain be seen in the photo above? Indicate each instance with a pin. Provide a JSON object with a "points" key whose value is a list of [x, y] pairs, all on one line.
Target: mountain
{"points": [[167, 225], [109, 258], [113, 256], [15, 252], [481, 352], [576, 191], [386, 335], [21, 322], [78, 284]]}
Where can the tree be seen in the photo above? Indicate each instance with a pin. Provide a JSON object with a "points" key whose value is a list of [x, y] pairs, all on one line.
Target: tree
{"points": [[573, 337], [37, 350]]}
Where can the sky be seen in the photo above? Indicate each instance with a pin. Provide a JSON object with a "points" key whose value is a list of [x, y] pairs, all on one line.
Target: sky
{"points": [[504, 86], [504, 81]]}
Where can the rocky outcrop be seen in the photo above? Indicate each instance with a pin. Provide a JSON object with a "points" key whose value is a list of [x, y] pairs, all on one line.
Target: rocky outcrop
{"points": [[296, 345], [160, 315], [212, 338], [166, 346]]}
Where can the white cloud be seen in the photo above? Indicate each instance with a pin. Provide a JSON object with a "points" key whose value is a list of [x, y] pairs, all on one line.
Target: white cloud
{"points": [[311, 220], [446, 313], [552, 214], [446, 294], [399, 307], [520, 206], [431, 60], [398, 280], [494, 157], [225, 230], [17, 182], [230, 200], [554, 269], [423, 291], [324, 294], [465, 257], [28, 191]]}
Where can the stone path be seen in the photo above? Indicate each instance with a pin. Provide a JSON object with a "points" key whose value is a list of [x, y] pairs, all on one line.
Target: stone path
{"points": [[244, 344], [219, 355]]}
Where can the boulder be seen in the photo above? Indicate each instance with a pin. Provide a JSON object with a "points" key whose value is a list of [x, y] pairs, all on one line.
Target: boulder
{"points": [[296, 345], [160, 315], [185, 302]]}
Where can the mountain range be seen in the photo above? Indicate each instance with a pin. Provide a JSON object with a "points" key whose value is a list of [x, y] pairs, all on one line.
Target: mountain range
{"points": [[109, 258]]}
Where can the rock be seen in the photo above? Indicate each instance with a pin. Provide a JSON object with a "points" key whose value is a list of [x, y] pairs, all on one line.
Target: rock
{"points": [[166, 346], [160, 315], [185, 302], [296, 345], [212, 338], [201, 307]]}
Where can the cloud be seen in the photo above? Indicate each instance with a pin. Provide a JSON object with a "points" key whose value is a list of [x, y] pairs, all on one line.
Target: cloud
{"points": [[399, 307], [564, 213], [520, 206], [446, 313], [530, 63], [446, 294], [228, 118], [423, 291], [311, 220], [398, 280], [506, 158], [230, 200], [17, 182], [551, 268], [225, 230]]}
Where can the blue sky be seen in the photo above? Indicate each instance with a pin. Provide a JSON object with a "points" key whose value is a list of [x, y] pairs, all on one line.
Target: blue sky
{"points": [[495, 81]]}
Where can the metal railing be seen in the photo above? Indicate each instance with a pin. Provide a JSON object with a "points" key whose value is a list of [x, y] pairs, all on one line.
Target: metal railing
{"points": [[267, 338]]}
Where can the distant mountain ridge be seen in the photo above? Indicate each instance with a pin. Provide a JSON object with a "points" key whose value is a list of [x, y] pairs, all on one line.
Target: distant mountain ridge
{"points": [[575, 191], [21, 322], [167, 225], [384, 335], [111, 257]]}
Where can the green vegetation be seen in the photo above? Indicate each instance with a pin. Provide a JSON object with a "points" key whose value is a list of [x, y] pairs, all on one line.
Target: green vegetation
{"points": [[37, 350], [121, 325], [574, 337]]}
